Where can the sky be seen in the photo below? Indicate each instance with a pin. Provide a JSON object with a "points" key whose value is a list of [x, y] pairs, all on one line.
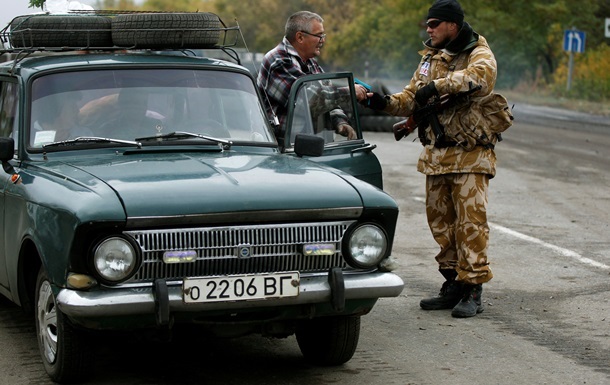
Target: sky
{"points": [[12, 8]]}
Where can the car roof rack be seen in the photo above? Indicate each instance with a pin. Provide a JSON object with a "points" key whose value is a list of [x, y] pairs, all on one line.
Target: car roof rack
{"points": [[116, 30]]}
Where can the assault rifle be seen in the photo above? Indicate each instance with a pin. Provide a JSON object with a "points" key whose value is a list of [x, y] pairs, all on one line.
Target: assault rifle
{"points": [[428, 116]]}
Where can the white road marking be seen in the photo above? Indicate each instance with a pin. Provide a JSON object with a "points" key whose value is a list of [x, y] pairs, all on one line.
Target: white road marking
{"points": [[557, 249]]}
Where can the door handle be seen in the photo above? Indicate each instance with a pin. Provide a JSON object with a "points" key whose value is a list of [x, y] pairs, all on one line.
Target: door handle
{"points": [[366, 148]]}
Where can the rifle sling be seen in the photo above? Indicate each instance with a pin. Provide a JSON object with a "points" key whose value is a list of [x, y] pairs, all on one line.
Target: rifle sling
{"points": [[447, 144]]}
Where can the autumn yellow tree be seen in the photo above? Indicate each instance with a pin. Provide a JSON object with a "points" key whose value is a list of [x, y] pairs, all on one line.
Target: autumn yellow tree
{"points": [[116, 5], [176, 5], [262, 21], [383, 37]]}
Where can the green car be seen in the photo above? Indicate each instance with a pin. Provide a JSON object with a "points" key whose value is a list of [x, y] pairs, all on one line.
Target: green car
{"points": [[143, 187]]}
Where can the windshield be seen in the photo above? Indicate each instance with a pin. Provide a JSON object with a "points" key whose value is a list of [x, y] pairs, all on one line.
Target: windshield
{"points": [[136, 103]]}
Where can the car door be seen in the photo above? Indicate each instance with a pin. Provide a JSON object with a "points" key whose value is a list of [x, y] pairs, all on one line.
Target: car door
{"points": [[8, 128], [317, 102]]}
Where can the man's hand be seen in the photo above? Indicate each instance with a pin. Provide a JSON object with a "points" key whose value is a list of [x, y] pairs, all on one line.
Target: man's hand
{"points": [[345, 129], [361, 92], [426, 92], [375, 101]]}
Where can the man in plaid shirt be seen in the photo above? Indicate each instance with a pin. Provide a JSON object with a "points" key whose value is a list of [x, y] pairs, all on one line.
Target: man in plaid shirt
{"points": [[292, 58]]}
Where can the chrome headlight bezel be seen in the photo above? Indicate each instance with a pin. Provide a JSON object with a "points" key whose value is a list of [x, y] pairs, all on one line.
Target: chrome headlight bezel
{"points": [[115, 259], [365, 245]]}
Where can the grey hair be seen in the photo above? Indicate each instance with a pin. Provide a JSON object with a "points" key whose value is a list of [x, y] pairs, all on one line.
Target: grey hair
{"points": [[300, 21]]}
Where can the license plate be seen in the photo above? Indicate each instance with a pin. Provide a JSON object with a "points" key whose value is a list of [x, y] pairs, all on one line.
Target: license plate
{"points": [[241, 287]]}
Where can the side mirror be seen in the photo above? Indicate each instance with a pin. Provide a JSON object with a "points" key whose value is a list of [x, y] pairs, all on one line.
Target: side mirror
{"points": [[7, 152], [7, 149], [308, 145]]}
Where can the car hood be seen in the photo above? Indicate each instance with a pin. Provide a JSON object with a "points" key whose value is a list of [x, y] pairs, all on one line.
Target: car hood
{"points": [[172, 184]]}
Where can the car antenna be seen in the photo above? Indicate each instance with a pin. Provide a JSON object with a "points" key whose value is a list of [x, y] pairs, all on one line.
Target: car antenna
{"points": [[276, 121]]}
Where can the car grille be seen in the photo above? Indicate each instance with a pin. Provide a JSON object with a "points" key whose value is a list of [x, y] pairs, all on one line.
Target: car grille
{"points": [[264, 249]]}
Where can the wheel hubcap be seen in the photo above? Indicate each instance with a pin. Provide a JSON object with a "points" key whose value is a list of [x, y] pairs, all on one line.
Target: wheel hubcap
{"points": [[47, 322]]}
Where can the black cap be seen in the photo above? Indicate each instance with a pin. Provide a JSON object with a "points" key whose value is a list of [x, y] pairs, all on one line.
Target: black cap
{"points": [[447, 10]]}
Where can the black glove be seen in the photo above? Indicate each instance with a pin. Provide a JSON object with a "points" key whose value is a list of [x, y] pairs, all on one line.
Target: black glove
{"points": [[426, 92], [376, 102], [419, 117]]}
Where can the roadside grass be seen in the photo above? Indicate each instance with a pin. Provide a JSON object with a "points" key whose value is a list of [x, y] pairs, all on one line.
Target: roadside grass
{"points": [[549, 100]]}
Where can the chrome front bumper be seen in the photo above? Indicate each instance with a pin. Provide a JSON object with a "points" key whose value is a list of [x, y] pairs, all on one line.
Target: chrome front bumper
{"points": [[142, 301]]}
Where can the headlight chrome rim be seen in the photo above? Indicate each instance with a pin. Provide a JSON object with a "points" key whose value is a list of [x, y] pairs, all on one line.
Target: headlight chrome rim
{"points": [[115, 260], [366, 246]]}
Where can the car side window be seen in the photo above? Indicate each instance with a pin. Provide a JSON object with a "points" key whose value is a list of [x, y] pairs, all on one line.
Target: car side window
{"points": [[320, 106], [9, 102]]}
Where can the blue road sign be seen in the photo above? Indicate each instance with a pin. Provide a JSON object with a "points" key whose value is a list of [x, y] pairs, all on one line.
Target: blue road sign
{"points": [[574, 41]]}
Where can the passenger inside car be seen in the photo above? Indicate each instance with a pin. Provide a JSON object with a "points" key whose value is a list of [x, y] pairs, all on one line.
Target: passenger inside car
{"points": [[57, 119], [133, 119]]}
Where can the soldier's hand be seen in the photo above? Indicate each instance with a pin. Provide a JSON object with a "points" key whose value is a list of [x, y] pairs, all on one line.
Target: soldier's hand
{"points": [[425, 93], [375, 101]]}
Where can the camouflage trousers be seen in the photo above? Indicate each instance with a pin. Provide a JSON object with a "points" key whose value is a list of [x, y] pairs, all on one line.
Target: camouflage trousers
{"points": [[456, 207]]}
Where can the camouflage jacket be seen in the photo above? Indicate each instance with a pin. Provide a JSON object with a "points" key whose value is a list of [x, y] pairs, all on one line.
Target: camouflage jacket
{"points": [[465, 61]]}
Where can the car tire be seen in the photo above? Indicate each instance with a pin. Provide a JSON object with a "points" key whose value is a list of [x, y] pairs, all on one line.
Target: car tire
{"points": [[329, 341], [60, 31], [379, 123], [63, 349], [166, 30]]}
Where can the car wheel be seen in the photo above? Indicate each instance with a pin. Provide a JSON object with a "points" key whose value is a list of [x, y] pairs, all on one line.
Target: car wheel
{"points": [[329, 341], [166, 30], [65, 356], [60, 31]]}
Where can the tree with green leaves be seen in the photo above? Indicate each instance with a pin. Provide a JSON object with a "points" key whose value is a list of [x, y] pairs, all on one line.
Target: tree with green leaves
{"points": [[262, 21], [526, 35], [37, 3]]}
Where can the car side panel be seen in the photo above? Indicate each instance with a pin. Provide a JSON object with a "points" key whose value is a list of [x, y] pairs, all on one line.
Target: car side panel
{"points": [[4, 181], [353, 159]]}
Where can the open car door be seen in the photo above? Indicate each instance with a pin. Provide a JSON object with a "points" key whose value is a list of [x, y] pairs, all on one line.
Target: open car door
{"points": [[317, 102]]}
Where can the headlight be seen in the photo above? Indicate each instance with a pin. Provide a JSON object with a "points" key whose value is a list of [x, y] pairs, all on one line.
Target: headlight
{"points": [[366, 246], [115, 259]]}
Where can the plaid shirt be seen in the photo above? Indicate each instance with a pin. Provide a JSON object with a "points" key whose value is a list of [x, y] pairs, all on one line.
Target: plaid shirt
{"points": [[281, 67]]}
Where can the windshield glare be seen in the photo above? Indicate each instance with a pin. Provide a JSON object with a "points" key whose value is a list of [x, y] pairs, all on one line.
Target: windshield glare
{"points": [[129, 104]]}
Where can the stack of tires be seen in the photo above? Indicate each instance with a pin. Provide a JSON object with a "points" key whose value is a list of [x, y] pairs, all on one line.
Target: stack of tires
{"points": [[166, 30], [133, 30], [60, 31], [371, 120]]}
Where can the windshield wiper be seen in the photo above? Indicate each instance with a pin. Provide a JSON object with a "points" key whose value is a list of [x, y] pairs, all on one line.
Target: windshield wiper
{"points": [[91, 139], [224, 143]]}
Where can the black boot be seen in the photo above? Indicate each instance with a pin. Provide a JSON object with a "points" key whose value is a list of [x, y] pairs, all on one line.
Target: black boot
{"points": [[450, 294], [470, 305]]}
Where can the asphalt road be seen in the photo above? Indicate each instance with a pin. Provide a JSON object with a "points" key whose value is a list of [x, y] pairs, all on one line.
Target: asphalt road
{"points": [[547, 310]]}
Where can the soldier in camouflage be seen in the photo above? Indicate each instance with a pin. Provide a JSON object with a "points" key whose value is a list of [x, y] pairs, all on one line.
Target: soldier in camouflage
{"points": [[457, 169]]}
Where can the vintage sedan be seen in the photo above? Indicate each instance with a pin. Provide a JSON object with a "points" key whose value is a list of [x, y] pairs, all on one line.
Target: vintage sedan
{"points": [[145, 188]]}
